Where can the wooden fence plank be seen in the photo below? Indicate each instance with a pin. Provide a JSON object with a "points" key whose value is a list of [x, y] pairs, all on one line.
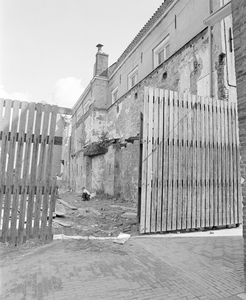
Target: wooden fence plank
{"points": [[238, 207], [41, 167], [215, 162], [10, 164], [4, 143], [207, 162], [180, 161], [25, 179], [52, 205], [185, 163], [145, 161], [160, 164], [4, 153], [198, 163], [29, 222], [44, 224], [175, 161], [155, 162], [170, 164], [234, 158], [211, 165], [150, 147], [227, 209], [194, 161], [17, 175], [190, 114], [165, 159], [230, 164], [219, 161], [223, 159], [203, 165]]}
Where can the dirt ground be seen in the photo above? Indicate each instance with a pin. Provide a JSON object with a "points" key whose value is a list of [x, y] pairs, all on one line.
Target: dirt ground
{"points": [[101, 216]]}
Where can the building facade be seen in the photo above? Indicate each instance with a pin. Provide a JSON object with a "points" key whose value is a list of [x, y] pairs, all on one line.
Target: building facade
{"points": [[177, 50]]}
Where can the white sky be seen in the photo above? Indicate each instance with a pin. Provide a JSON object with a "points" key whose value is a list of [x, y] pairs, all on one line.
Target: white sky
{"points": [[48, 47]]}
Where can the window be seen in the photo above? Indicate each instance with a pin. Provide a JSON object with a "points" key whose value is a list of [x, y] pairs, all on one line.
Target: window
{"points": [[86, 107], [115, 95], [132, 78], [161, 52]]}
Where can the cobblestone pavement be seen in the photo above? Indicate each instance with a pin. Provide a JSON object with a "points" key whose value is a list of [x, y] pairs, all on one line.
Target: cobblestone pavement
{"points": [[143, 268]]}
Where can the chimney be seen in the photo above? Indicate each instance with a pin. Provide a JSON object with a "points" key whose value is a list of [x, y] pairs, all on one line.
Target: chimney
{"points": [[101, 64]]}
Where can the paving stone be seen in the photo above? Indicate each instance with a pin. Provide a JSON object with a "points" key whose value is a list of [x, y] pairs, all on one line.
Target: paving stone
{"points": [[151, 268]]}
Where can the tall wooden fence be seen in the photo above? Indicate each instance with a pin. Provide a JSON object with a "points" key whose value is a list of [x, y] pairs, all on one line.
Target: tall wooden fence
{"points": [[190, 163], [27, 191]]}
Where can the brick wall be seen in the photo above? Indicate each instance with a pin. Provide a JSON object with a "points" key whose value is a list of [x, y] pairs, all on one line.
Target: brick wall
{"points": [[239, 31]]}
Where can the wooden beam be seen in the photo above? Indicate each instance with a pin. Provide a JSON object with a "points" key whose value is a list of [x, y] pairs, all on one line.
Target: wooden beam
{"points": [[57, 140]]}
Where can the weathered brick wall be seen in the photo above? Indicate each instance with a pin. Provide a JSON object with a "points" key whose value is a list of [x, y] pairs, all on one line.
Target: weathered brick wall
{"points": [[239, 30]]}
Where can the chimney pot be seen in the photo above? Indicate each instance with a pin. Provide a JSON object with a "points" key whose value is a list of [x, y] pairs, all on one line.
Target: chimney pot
{"points": [[99, 46]]}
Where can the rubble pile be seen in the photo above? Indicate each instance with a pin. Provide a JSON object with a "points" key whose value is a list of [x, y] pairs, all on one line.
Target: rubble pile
{"points": [[101, 216]]}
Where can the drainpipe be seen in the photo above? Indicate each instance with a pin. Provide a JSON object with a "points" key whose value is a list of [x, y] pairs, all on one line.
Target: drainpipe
{"points": [[210, 52]]}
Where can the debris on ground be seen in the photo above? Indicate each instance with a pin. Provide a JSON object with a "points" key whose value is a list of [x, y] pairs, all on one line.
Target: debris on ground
{"points": [[65, 224], [60, 210], [102, 216], [67, 204], [122, 238]]}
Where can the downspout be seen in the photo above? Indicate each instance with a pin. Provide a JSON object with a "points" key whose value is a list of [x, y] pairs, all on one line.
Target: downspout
{"points": [[210, 52]]}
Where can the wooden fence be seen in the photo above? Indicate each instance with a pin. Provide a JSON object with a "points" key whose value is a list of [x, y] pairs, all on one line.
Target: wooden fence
{"points": [[27, 191], [190, 163]]}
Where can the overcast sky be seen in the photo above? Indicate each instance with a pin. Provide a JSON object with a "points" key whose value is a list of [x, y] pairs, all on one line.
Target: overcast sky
{"points": [[48, 47]]}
